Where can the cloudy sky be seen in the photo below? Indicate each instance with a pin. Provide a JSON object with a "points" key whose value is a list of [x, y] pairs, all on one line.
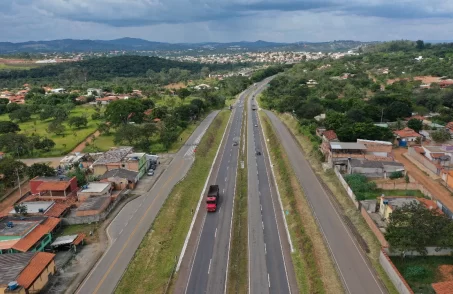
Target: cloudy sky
{"points": [[226, 20]]}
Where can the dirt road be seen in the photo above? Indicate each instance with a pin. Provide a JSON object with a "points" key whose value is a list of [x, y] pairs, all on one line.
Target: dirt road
{"points": [[82, 145], [434, 187]]}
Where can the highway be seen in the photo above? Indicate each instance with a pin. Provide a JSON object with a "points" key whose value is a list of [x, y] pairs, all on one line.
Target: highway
{"points": [[137, 217], [208, 270], [270, 269], [354, 269]]}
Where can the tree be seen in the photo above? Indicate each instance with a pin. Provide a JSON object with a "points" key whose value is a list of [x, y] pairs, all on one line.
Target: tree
{"points": [[10, 168], [183, 93], [8, 127], [16, 144], [128, 133], [420, 45], [123, 111], [104, 128], [441, 136], [4, 101], [79, 174], [415, 124], [56, 127], [21, 114], [45, 144], [78, 121], [21, 208], [413, 227], [41, 170], [205, 72]]}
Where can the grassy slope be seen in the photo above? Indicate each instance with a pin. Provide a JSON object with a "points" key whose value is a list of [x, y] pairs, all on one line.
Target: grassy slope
{"points": [[238, 265], [154, 261], [350, 211], [315, 270], [36, 126]]}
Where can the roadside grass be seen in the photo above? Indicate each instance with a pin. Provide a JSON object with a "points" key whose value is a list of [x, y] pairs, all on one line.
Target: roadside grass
{"points": [[379, 192], [20, 66], [64, 143], [154, 262], [315, 271], [238, 264], [421, 272], [85, 228], [312, 153]]}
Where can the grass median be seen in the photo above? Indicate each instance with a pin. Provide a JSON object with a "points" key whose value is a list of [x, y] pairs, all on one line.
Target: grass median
{"points": [[308, 143], [154, 261], [315, 271], [238, 264]]}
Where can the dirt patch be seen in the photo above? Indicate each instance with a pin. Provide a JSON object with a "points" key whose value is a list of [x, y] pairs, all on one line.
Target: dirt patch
{"points": [[445, 272], [423, 79], [176, 86], [82, 145]]}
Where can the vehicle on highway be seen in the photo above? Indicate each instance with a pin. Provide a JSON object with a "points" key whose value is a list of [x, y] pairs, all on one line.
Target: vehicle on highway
{"points": [[235, 141], [253, 107], [150, 172], [256, 125], [212, 198], [258, 152]]}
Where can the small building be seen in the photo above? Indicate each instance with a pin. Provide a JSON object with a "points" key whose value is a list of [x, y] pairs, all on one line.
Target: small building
{"points": [[22, 234], [110, 160], [58, 186], [377, 148], [93, 206], [72, 160], [94, 189], [388, 204], [94, 92], [443, 287], [338, 153], [329, 136], [374, 169], [70, 242], [43, 208], [25, 272], [106, 100], [202, 87], [58, 91], [406, 136], [121, 178]]}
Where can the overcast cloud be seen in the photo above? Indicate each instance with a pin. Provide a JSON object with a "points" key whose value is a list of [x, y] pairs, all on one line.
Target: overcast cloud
{"points": [[226, 20]]}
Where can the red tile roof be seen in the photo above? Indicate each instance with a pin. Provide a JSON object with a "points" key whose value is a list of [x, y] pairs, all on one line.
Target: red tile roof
{"points": [[54, 186], [34, 236], [419, 117], [34, 269], [443, 287], [57, 210], [407, 132], [450, 125], [330, 135], [419, 150], [79, 239]]}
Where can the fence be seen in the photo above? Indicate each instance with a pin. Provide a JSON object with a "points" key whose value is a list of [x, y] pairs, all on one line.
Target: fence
{"points": [[374, 227], [394, 275], [78, 220], [423, 160], [347, 188], [430, 251], [412, 185]]}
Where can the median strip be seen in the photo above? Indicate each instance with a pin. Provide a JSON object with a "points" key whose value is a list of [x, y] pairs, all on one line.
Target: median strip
{"points": [[154, 262], [315, 272], [238, 264]]}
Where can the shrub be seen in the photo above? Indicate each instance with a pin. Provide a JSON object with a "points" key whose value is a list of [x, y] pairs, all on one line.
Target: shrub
{"points": [[415, 272], [360, 186], [396, 175]]}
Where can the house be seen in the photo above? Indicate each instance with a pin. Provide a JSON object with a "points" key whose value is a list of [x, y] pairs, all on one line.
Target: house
{"points": [[388, 204], [43, 208], [94, 92], [26, 272], [106, 100], [441, 155], [202, 87], [22, 234], [121, 178], [123, 158], [445, 83], [443, 287], [329, 136], [373, 169], [58, 91], [58, 186], [406, 135], [72, 160], [93, 206], [338, 153], [377, 148], [94, 189], [312, 83]]}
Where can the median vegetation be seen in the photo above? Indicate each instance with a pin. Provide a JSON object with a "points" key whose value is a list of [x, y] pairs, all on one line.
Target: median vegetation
{"points": [[154, 262], [314, 269], [238, 265]]}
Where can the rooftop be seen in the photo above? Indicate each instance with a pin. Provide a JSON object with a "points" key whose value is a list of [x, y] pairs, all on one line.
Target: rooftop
{"points": [[113, 155], [95, 187], [54, 186], [93, 203], [52, 179], [120, 173], [20, 227], [36, 206], [57, 210], [347, 146], [11, 265], [406, 133], [36, 234], [373, 164], [398, 202], [34, 268], [63, 240], [330, 135], [443, 287]]}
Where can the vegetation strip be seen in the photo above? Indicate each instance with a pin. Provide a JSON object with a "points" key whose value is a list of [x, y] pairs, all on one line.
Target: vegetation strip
{"points": [[154, 261], [314, 269], [238, 266], [309, 144]]}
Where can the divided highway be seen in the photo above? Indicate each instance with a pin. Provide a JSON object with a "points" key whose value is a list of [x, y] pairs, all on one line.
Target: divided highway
{"points": [[270, 269], [354, 270], [108, 271]]}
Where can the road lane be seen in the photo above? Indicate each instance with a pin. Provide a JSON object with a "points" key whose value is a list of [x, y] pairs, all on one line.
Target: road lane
{"points": [[108, 271], [353, 267]]}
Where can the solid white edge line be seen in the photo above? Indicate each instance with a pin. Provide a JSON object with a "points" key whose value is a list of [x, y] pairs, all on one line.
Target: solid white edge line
{"points": [[183, 250], [209, 268]]}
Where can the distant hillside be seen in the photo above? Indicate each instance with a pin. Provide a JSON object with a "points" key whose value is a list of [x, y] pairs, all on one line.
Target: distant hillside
{"points": [[134, 44]]}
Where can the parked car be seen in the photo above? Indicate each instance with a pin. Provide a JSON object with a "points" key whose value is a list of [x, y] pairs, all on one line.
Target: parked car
{"points": [[150, 173]]}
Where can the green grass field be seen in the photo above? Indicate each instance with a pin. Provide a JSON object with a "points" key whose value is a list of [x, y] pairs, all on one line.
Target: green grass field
{"points": [[421, 272], [64, 143], [4, 66]]}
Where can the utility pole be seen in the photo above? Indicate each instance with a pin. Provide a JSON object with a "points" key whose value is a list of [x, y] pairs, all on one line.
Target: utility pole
{"points": [[382, 114], [18, 181]]}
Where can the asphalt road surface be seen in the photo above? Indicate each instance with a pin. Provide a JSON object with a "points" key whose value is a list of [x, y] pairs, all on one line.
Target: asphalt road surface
{"points": [[137, 219], [353, 267], [208, 272], [268, 268]]}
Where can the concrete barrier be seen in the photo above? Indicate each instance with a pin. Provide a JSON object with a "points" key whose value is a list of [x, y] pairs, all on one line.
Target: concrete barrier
{"points": [[347, 188], [395, 276]]}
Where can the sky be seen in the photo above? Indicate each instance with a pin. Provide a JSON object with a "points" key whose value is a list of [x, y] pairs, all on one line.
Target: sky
{"points": [[226, 20]]}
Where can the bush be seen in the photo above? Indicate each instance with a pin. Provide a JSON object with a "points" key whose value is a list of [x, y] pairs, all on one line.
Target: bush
{"points": [[396, 175], [415, 272], [360, 186]]}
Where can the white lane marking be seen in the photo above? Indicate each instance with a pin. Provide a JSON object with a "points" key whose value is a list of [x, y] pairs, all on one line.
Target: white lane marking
{"points": [[262, 224], [220, 209], [209, 269], [223, 191], [268, 280], [121, 231], [261, 208], [265, 248], [215, 234]]}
